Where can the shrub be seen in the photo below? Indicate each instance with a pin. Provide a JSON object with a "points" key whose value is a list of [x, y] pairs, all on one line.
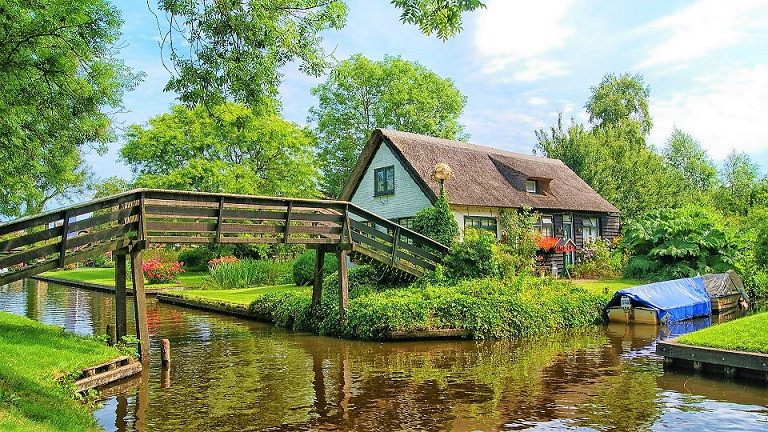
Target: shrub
{"points": [[161, 253], [675, 243], [598, 261], [304, 267], [100, 261], [196, 258], [157, 272], [476, 256], [437, 222], [520, 237], [231, 274]]}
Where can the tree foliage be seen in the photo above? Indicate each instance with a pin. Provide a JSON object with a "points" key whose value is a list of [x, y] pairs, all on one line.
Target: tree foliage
{"points": [[233, 50], [437, 222], [741, 187], [619, 99], [59, 77], [685, 154], [361, 95], [675, 243], [231, 149]]}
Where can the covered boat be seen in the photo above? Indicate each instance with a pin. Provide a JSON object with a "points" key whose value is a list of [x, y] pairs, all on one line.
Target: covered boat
{"points": [[660, 302], [726, 291]]}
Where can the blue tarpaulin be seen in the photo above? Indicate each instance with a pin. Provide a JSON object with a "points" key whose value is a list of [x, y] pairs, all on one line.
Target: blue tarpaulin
{"points": [[676, 300]]}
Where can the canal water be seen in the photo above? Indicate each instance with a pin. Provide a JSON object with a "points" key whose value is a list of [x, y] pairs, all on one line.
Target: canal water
{"points": [[229, 374]]}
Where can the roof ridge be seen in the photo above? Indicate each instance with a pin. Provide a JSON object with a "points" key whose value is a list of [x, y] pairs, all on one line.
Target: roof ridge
{"points": [[470, 146]]}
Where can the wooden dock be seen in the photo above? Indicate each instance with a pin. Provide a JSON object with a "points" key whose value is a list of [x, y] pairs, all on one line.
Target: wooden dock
{"points": [[728, 363], [106, 373]]}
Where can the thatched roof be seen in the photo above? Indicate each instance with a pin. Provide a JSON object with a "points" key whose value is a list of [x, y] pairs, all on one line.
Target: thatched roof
{"points": [[482, 176]]}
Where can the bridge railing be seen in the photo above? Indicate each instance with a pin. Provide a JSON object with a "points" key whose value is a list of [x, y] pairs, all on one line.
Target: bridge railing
{"points": [[54, 239]]}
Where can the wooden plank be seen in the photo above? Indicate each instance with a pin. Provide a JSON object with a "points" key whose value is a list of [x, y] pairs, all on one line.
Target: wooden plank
{"points": [[341, 255], [156, 211], [121, 326], [57, 215], [288, 222], [181, 239], [421, 252], [396, 237], [317, 284], [738, 359], [107, 377], [238, 228], [99, 236], [359, 226], [181, 227], [219, 220], [359, 238], [30, 239], [25, 272], [415, 260], [96, 250], [140, 304], [63, 242], [311, 241], [94, 221], [29, 255]]}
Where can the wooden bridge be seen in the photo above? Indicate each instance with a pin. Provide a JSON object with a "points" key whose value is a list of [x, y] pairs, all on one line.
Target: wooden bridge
{"points": [[127, 223]]}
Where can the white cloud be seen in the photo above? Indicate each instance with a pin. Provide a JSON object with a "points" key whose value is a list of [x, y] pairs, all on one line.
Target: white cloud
{"points": [[512, 32], [723, 110], [705, 26], [535, 100]]}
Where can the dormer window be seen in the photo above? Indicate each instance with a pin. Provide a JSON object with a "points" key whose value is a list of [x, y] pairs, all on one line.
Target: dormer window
{"points": [[532, 186]]}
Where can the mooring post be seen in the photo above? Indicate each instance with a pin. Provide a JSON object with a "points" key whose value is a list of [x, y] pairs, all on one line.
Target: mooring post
{"points": [[121, 323], [317, 286], [140, 303], [343, 283], [165, 353]]}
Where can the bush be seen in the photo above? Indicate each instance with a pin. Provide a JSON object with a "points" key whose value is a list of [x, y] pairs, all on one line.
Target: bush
{"points": [[477, 256], [304, 267], [161, 253], [241, 274], [157, 272], [520, 237], [437, 222], [676, 243], [489, 308], [196, 259], [223, 260], [100, 261], [598, 261]]}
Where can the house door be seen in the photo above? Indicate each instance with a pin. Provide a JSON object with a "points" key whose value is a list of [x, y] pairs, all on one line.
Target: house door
{"points": [[568, 233]]}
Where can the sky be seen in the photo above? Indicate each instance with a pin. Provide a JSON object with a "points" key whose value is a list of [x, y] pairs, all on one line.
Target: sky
{"points": [[520, 63]]}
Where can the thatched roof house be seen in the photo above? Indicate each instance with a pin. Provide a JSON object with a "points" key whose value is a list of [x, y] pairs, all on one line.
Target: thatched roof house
{"points": [[393, 177]]}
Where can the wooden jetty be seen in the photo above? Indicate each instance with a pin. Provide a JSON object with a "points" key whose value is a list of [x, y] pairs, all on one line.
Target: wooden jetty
{"points": [[127, 223], [107, 373], [714, 361]]}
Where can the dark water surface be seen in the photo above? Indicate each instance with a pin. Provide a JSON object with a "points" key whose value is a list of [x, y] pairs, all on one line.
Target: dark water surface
{"points": [[228, 374]]}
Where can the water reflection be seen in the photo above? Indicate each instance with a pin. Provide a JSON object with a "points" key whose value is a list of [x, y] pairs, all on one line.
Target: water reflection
{"points": [[228, 374]]}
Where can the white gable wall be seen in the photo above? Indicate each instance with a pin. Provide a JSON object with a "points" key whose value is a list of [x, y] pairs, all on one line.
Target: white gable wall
{"points": [[408, 198]]}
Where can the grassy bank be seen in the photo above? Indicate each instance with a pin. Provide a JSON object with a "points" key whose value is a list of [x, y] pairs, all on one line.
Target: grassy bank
{"points": [[240, 296], [743, 334], [106, 276], [33, 356], [607, 286]]}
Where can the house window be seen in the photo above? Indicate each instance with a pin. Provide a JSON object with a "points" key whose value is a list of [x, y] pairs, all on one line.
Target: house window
{"points": [[406, 222], [384, 181], [480, 223], [567, 226], [590, 228], [545, 225], [532, 186]]}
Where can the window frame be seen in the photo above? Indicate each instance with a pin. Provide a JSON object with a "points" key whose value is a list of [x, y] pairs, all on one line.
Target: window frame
{"points": [[535, 186], [587, 230], [495, 229], [539, 225], [388, 189]]}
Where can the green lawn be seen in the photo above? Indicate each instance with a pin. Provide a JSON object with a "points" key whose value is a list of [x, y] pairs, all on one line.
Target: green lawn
{"points": [[33, 356], [743, 334], [240, 296], [106, 276], [607, 286]]}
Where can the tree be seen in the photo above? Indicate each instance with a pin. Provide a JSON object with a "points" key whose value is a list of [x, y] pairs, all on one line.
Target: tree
{"points": [[741, 184], [231, 149], [619, 99], [361, 95], [686, 155], [613, 157], [233, 50], [110, 186], [60, 78]]}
